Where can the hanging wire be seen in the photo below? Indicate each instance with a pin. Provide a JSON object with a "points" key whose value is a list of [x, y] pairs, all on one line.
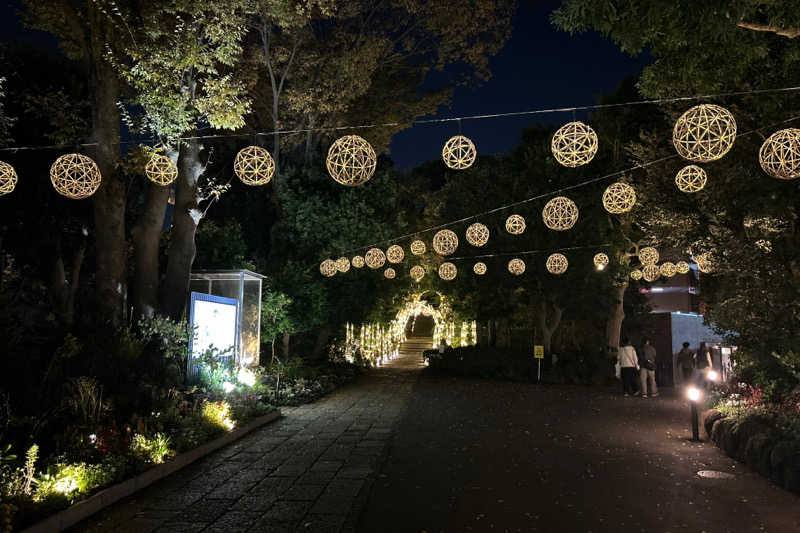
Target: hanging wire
{"points": [[530, 252]]}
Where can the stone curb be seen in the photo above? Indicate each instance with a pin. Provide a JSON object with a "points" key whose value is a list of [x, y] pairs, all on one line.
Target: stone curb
{"points": [[106, 497]]}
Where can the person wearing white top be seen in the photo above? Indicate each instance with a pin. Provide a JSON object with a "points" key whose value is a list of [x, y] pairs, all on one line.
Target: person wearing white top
{"points": [[629, 366]]}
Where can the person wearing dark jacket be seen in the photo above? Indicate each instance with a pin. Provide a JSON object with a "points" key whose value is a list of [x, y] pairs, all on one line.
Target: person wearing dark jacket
{"points": [[647, 370]]}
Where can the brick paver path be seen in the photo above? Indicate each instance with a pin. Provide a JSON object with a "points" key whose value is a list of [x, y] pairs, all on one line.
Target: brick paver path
{"points": [[306, 472]]}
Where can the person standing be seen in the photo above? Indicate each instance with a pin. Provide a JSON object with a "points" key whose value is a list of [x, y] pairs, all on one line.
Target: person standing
{"points": [[647, 369], [702, 360], [686, 363], [629, 364]]}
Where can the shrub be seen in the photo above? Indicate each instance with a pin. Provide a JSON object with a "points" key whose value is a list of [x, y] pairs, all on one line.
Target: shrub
{"points": [[217, 415], [154, 449]]}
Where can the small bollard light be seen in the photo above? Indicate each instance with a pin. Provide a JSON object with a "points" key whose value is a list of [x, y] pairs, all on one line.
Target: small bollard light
{"points": [[694, 394], [712, 375]]}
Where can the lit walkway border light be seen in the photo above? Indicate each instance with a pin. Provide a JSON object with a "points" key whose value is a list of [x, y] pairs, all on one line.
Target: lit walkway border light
{"points": [[694, 394]]}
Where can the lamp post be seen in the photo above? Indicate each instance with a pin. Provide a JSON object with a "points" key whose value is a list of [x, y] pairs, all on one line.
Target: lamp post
{"points": [[694, 394]]}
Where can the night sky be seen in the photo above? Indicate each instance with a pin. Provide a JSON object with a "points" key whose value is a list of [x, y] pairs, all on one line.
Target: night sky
{"points": [[539, 67]]}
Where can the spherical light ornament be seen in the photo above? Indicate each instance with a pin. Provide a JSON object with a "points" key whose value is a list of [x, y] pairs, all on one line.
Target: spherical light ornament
{"points": [[358, 261], [651, 272], [161, 169], [351, 160], [254, 166], [445, 242], [389, 273], [75, 176], [343, 264], [619, 198], [557, 264], [515, 224], [682, 267], [447, 271], [417, 273], [600, 261], [764, 245], [668, 269], [328, 268], [477, 234], [636, 274], [8, 178], [418, 247], [574, 144], [691, 178], [458, 152], [780, 154], [560, 213], [704, 133], [374, 258], [648, 255], [479, 268], [704, 263], [516, 266], [395, 254]]}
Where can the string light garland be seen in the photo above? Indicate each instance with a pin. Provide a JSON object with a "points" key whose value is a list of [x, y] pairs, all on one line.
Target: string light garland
{"points": [[328, 268], [600, 261], [351, 160], [477, 234], [648, 255], [254, 165], [161, 170], [358, 261], [560, 213], [418, 247], [343, 264], [619, 198], [8, 178], [574, 144], [636, 274], [479, 268], [682, 267], [515, 224], [704, 263], [417, 273], [395, 254], [374, 258], [75, 176], [668, 269], [780, 154], [447, 271], [704, 133], [651, 272], [458, 152], [557, 263], [389, 273], [445, 242], [691, 178], [516, 266]]}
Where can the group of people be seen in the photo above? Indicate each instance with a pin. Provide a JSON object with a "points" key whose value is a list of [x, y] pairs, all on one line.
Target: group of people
{"points": [[693, 364], [637, 371]]}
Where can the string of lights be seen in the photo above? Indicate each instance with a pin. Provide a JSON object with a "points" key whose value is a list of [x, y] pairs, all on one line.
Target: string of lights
{"points": [[294, 131], [531, 252]]}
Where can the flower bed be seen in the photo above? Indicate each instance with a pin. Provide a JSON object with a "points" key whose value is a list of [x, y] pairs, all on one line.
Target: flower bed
{"points": [[298, 384]]}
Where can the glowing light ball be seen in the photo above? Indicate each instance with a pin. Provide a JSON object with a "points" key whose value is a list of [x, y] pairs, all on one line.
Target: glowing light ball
{"points": [[600, 261], [418, 247], [389, 273], [395, 254], [253, 165], [780, 154], [560, 213], [8, 178], [515, 224], [447, 271], [516, 266], [479, 268], [682, 267], [351, 160], [477, 234], [704, 133], [651, 272], [691, 178], [648, 255], [668, 269], [574, 144], [557, 263], [161, 169], [636, 274], [374, 258], [704, 263], [328, 268], [75, 176], [417, 273], [764, 245], [358, 261], [343, 264], [619, 198], [445, 242], [458, 152]]}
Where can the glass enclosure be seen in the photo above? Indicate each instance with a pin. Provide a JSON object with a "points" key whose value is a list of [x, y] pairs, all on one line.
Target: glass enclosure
{"points": [[243, 286]]}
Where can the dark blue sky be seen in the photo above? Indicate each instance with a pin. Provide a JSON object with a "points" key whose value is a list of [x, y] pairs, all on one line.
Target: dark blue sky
{"points": [[539, 67]]}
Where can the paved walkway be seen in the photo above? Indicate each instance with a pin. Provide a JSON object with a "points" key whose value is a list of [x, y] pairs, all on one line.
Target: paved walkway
{"points": [[302, 473]]}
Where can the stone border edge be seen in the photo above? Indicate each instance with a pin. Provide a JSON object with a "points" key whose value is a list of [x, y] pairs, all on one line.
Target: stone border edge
{"points": [[108, 496]]}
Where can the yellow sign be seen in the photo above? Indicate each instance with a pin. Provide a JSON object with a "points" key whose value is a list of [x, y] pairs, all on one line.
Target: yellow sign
{"points": [[538, 351]]}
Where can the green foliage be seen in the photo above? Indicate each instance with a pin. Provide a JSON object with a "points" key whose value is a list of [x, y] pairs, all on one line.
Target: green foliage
{"points": [[217, 416], [221, 246], [72, 480], [154, 449], [170, 340], [84, 400], [275, 318]]}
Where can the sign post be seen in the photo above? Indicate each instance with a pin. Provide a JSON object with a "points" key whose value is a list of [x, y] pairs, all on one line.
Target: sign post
{"points": [[538, 353]]}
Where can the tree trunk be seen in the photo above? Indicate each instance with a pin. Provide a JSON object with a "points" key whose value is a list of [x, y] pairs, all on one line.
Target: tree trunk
{"points": [[614, 324], [287, 337], [548, 327], [62, 290], [146, 235], [321, 342], [186, 218], [109, 200]]}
